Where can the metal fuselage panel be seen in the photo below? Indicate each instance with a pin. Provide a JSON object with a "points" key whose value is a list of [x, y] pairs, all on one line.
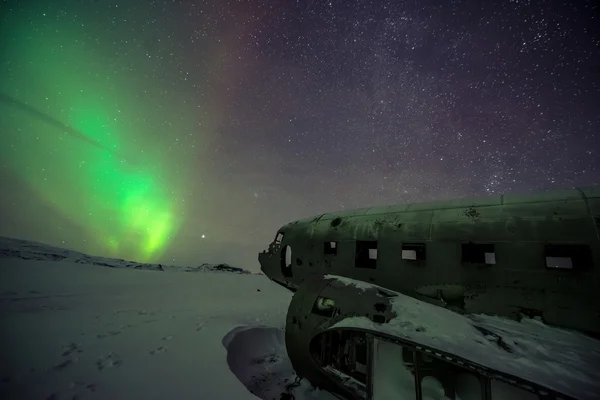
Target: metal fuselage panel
{"points": [[304, 326], [521, 230]]}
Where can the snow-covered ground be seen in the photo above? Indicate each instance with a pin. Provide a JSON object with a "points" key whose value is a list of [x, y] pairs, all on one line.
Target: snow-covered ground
{"points": [[73, 326], [71, 330]]}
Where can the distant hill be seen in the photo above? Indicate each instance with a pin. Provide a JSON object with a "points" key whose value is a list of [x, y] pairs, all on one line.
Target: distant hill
{"points": [[28, 250]]}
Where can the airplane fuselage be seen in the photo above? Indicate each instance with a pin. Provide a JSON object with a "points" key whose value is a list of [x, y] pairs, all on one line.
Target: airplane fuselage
{"points": [[508, 255]]}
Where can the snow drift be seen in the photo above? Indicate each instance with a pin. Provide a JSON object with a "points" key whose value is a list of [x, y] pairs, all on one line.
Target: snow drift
{"points": [[72, 328]]}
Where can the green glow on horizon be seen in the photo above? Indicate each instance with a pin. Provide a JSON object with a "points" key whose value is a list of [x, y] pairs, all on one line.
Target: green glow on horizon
{"points": [[126, 206]]}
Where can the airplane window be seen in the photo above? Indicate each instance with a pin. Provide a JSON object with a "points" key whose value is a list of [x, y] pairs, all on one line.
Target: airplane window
{"points": [[286, 261], [324, 307], [366, 254], [331, 248], [323, 303], [279, 238], [378, 319], [490, 258], [478, 253], [569, 256], [559, 262], [409, 255], [335, 222], [413, 251]]}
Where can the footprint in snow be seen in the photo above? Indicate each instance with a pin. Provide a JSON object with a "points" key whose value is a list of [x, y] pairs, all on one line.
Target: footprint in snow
{"points": [[75, 391], [107, 334], [63, 364], [81, 389], [108, 361], [161, 349], [202, 324], [70, 349]]}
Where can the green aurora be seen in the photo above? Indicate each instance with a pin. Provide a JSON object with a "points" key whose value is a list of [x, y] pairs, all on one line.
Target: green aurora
{"points": [[105, 169]]}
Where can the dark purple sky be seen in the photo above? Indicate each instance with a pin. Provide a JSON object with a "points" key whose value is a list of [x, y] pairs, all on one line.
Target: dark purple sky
{"points": [[261, 112]]}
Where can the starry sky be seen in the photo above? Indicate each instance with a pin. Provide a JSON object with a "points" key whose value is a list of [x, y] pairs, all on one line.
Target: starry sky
{"points": [[188, 131]]}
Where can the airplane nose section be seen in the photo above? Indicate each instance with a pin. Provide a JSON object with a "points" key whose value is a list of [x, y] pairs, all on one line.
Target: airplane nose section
{"points": [[269, 265], [275, 263]]}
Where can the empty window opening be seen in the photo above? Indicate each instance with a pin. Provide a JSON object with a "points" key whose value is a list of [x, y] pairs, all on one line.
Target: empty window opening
{"points": [[568, 256], [361, 357], [413, 251], [478, 253], [344, 357], [279, 238], [324, 307], [366, 254], [288, 257], [331, 248], [378, 319], [393, 372], [335, 222], [441, 379], [352, 355], [286, 261]]}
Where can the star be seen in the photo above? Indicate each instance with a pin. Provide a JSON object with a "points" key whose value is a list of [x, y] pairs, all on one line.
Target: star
{"points": [[131, 126]]}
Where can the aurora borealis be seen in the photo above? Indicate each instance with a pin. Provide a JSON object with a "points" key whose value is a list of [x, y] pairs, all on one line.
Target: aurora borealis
{"points": [[103, 170], [189, 131]]}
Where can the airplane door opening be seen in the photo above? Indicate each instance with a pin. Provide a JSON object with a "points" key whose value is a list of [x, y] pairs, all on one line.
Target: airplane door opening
{"points": [[286, 262]]}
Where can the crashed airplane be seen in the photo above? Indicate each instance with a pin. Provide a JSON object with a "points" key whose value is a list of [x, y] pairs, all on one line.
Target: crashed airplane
{"points": [[434, 282], [362, 341]]}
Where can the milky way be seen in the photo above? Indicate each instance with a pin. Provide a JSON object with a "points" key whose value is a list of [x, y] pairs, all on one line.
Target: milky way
{"points": [[188, 131]]}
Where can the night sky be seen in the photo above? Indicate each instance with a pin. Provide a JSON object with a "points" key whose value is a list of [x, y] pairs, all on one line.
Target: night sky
{"points": [[189, 131]]}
